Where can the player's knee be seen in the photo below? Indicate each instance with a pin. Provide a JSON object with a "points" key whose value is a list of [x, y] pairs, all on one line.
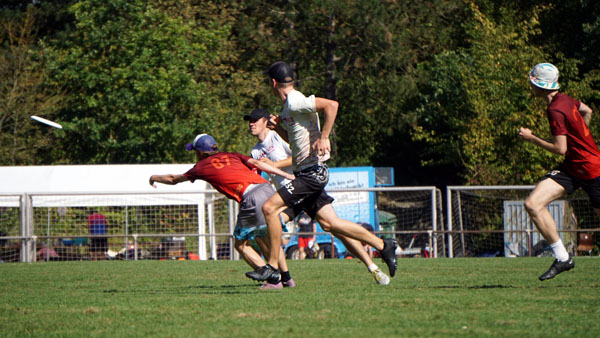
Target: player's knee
{"points": [[238, 246], [531, 206], [326, 226], [269, 209]]}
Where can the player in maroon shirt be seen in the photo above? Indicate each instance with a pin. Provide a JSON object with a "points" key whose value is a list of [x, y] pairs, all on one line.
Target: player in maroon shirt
{"points": [[571, 138], [232, 174]]}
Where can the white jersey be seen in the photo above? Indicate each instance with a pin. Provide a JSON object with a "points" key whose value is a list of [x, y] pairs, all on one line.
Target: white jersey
{"points": [[275, 149], [301, 121]]}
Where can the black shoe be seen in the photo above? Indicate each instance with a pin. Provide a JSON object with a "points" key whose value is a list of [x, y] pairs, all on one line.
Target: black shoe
{"points": [[558, 267], [388, 254], [266, 273]]}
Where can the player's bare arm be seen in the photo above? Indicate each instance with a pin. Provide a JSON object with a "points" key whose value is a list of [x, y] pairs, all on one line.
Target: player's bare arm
{"points": [[586, 113], [169, 179], [557, 146], [278, 164], [329, 109], [274, 124], [269, 169]]}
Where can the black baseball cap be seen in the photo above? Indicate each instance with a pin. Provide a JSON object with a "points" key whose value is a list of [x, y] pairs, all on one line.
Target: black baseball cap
{"points": [[281, 72], [256, 114]]}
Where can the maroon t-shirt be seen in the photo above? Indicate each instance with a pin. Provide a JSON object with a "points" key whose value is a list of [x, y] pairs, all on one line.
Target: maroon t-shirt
{"points": [[583, 157], [229, 173]]}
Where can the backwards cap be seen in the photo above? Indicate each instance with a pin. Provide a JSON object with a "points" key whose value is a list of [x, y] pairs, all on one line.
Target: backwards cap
{"points": [[281, 72], [202, 142]]}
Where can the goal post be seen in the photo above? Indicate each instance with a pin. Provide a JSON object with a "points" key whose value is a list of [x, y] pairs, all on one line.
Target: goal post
{"points": [[489, 221]]}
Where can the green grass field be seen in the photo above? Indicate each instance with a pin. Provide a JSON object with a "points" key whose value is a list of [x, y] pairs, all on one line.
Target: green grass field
{"points": [[334, 298]]}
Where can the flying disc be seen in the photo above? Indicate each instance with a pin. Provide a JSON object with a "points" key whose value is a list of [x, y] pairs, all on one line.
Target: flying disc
{"points": [[47, 122]]}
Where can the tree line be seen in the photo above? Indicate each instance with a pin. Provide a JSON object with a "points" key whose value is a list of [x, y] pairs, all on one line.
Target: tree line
{"points": [[436, 89]]}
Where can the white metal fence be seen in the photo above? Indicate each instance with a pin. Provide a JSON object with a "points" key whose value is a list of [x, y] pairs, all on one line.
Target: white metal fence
{"points": [[491, 221], [480, 221], [183, 225]]}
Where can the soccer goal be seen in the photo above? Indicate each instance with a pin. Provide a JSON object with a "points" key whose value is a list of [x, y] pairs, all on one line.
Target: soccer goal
{"points": [[490, 221]]}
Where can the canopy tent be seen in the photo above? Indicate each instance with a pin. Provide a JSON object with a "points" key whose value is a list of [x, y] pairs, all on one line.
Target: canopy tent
{"points": [[96, 185]]}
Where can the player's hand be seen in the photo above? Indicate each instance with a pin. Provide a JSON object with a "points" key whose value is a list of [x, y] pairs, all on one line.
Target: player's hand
{"points": [[267, 161], [290, 177], [152, 182], [525, 133], [322, 146], [273, 122]]}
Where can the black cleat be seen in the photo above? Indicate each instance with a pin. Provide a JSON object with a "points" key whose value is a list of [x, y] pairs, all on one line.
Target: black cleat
{"points": [[388, 254], [266, 273], [558, 267]]}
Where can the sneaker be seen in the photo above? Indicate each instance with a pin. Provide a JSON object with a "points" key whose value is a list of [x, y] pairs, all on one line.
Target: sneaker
{"points": [[558, 267], [289, 284], [380, 277], [269, 286], [388, 254], [266, 273]]}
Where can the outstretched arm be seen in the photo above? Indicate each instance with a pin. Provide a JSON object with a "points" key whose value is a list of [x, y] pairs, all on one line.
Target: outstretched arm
{"points": [[557, 146], [169, 179], [269, 169], [329, 109], [287, 162]]}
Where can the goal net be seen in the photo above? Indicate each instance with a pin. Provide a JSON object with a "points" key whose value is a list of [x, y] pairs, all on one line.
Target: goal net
{"points": [[492, 221]]}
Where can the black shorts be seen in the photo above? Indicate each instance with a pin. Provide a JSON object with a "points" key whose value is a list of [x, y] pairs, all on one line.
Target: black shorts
{"points": [[572, 183], [307, 191], [99, 244]]}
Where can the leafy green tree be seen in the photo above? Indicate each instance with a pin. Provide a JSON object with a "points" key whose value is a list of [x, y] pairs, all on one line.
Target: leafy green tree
{"points": [[23, 91], [477, 99], [130, 69]]}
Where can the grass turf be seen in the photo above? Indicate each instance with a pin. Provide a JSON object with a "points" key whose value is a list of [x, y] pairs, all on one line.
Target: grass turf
{"points": [[334, 298]]}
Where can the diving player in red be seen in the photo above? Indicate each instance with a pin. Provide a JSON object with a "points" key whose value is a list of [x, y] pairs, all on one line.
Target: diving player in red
{"points": [[232, 174]]}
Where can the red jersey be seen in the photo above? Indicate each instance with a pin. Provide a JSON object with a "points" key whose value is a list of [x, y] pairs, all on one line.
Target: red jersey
{"points": [[229, 173], [97, 224], [582, 159]]}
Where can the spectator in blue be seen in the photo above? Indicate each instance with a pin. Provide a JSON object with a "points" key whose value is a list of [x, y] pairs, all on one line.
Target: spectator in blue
{"points": [[97, 226]]}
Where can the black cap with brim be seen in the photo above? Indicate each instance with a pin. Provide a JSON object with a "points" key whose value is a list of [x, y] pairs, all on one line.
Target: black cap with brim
{"points": [[256, 114], [281, 72]]}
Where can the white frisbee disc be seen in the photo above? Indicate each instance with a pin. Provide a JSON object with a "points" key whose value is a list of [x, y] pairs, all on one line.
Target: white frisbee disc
{"points": [[47, 122]]}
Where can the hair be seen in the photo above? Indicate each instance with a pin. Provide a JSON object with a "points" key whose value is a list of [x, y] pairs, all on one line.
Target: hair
{"points": [[209, 153], [285, 85]]}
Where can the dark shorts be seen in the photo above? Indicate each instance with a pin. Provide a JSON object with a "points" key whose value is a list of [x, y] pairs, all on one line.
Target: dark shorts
{"points": [[307, 191], [571, 183], [99, 244]]}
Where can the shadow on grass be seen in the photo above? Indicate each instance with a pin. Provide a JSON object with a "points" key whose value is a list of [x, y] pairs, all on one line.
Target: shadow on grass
{"points": [[497, 286], [194, 289]]}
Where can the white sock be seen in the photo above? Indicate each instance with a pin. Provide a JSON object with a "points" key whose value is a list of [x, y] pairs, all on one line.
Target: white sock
{"points": [[559, 251], [372, 267]]}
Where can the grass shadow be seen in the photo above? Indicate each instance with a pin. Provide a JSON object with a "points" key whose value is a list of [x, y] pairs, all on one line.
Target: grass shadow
{"points": [[193, 289]]}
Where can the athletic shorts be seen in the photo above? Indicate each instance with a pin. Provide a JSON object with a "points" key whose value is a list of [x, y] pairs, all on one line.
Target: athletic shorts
{"points": [[572, 183], [303, 241], [251, 220], [99, 244], [307, 191]]}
